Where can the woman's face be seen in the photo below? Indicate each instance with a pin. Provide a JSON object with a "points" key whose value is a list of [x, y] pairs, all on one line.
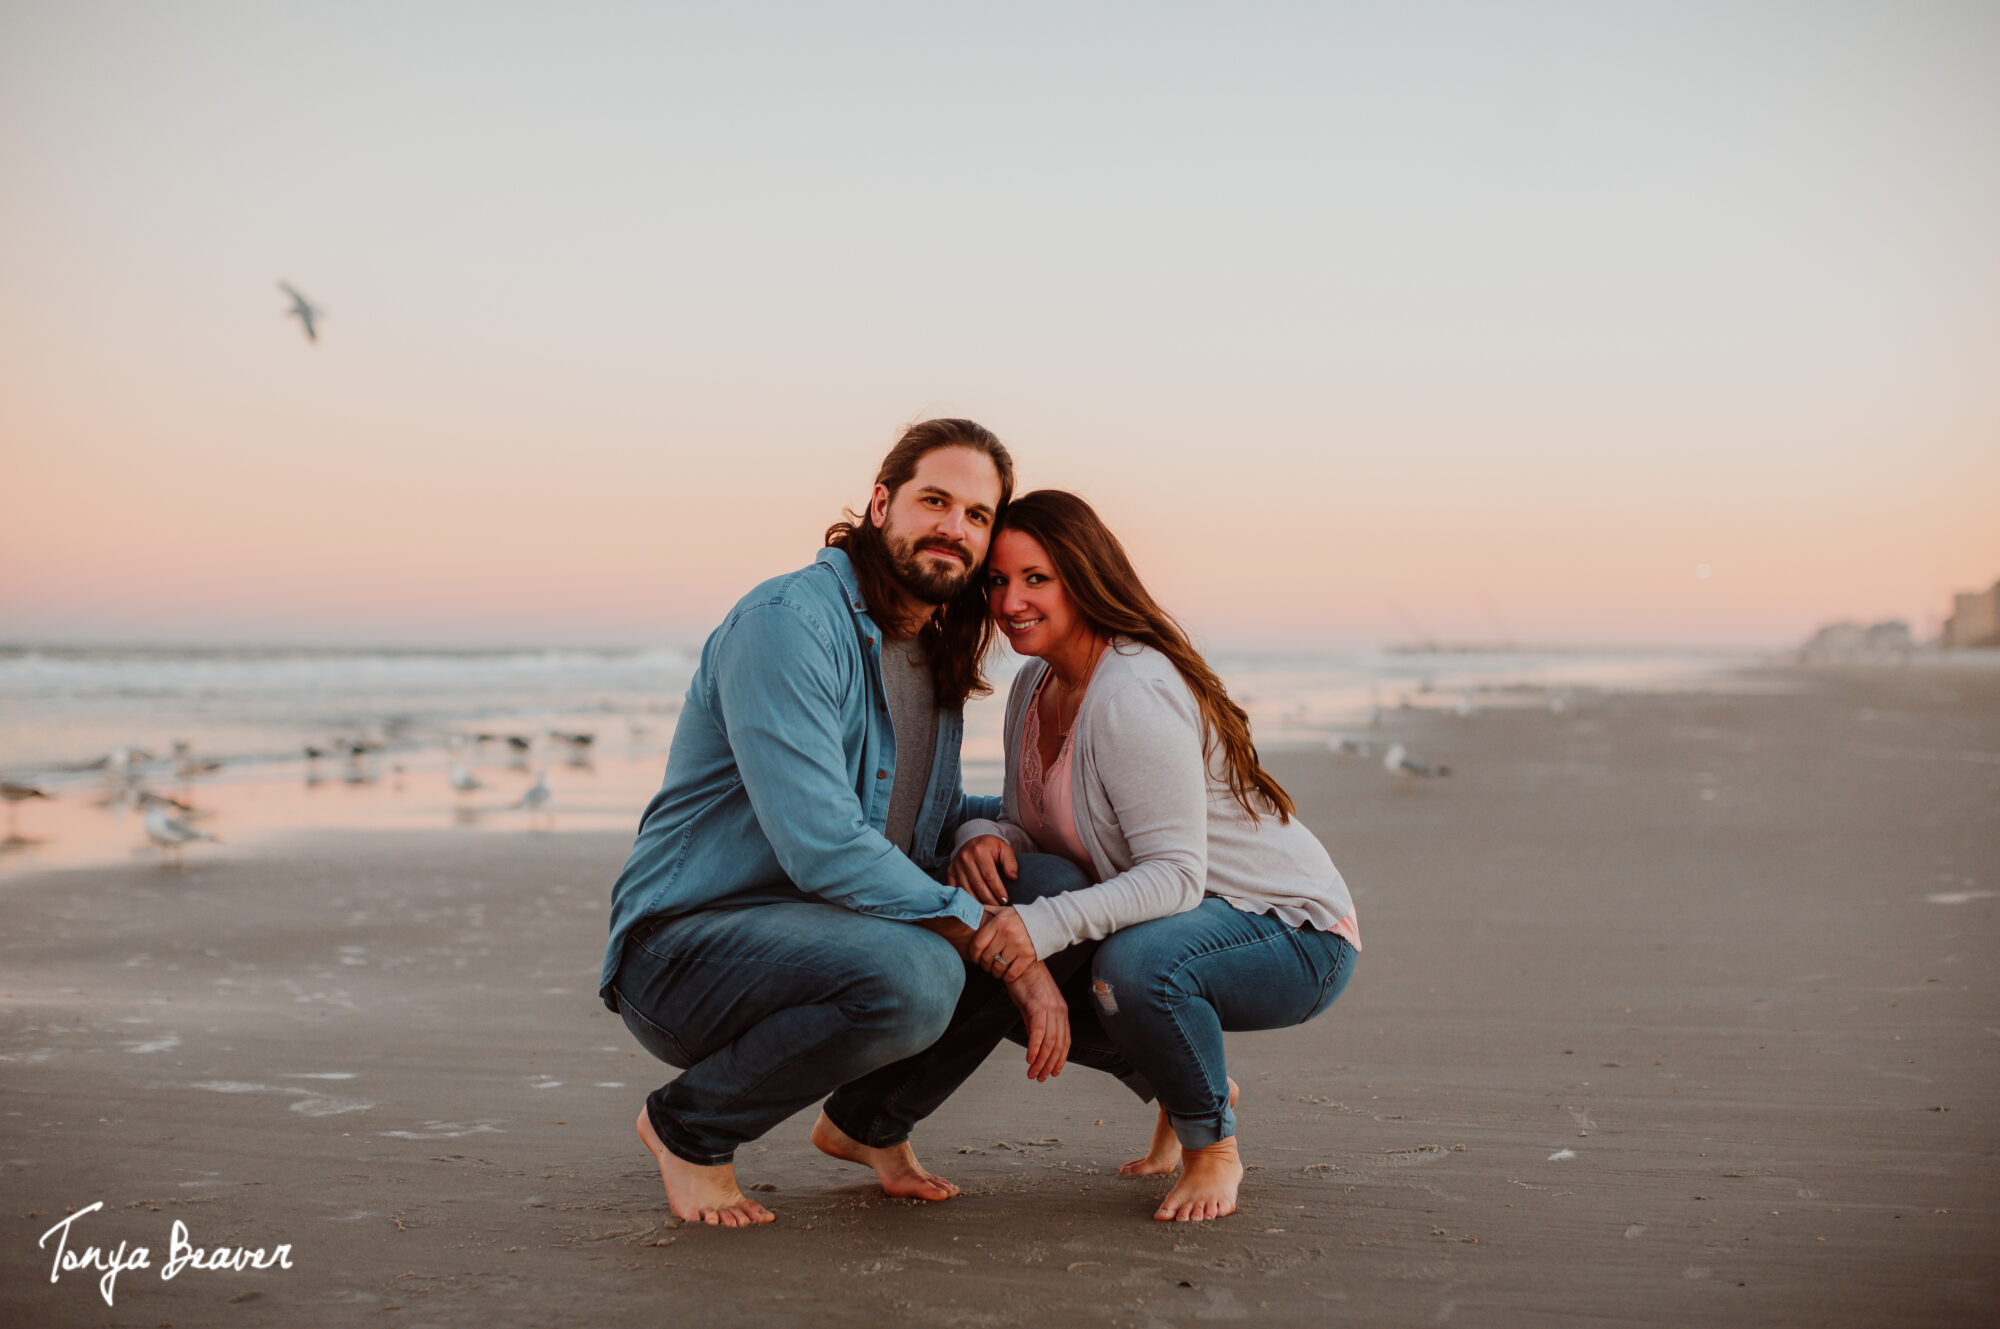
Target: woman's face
{"points": [[1027, 602]]}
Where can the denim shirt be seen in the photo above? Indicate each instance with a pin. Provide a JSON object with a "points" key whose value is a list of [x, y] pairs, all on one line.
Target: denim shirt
{"points": [[778, 780]]}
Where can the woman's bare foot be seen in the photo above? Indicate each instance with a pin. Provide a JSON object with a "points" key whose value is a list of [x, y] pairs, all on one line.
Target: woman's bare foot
{"points": [[896, 1165], [701, 1194], [1207, 1188], [1165, 1154]]}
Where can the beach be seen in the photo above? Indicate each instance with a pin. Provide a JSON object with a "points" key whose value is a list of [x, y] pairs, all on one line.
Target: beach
{"points": [[1674, 1008]]}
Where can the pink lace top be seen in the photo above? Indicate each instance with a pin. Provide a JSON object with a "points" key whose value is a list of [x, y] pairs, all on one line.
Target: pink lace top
{"points": [[1046, 797]]}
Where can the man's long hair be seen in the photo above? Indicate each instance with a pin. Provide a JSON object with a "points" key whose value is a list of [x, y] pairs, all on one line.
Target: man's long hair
{"points": [[956, 637], [1100, 581]]}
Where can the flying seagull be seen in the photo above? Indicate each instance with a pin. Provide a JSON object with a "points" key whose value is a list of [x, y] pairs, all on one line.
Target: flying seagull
{"points": [[303, 310]]}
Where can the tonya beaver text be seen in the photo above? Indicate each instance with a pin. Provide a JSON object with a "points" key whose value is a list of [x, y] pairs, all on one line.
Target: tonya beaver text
{"points": [[181, 1254]]}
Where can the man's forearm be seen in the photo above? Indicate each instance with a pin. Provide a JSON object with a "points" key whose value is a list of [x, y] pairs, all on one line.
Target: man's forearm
{"points": [[952, 930]]}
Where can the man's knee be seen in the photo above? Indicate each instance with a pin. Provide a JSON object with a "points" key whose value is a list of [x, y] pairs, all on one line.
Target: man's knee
{"points": [[911, 994], [1043, 875]]}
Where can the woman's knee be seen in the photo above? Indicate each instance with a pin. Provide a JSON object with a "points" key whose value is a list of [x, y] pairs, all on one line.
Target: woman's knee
{"points": [[1128, 970], [1043, 875]]}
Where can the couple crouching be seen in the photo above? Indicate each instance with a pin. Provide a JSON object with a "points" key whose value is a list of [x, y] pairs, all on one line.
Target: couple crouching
{"points": [[815, 909]]}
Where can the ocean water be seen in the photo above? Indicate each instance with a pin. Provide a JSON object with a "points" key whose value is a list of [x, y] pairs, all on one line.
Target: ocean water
{"points": [[225, 731]]}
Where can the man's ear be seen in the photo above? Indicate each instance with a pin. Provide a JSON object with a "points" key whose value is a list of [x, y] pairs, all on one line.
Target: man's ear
{"points": [[878, 506]]}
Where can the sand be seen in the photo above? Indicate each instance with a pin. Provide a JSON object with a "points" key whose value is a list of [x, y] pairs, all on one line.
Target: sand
{"points": [[1674, 1010]]}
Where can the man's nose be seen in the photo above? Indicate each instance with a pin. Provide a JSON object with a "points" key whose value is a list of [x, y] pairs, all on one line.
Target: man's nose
{"points": [[953, 524]]}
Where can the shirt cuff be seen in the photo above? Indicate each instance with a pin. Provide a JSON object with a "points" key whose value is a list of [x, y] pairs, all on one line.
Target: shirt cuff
{"points": [[1045, 928], [964, 908], [969, 831]]}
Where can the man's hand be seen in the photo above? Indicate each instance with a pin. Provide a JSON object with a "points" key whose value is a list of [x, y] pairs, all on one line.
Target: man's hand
{"points": [[1041, 1004], [1002, 946], [984, 867]]}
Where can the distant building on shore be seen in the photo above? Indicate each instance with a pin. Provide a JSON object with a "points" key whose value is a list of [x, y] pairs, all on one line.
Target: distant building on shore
{"points": [[1975, 619], [1850, 641]]}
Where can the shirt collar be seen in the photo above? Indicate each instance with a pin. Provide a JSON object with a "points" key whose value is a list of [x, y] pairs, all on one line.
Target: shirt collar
{"points": [[843, 568]]}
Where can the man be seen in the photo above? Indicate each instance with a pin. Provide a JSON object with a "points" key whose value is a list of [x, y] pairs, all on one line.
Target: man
{"points": [[781, 929]]}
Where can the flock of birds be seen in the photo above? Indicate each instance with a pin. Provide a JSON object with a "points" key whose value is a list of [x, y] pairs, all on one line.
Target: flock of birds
{"points": [[169, 822]]}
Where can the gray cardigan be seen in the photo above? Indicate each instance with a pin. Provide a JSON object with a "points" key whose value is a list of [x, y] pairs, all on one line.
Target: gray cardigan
{"points": [[1162, 827]]}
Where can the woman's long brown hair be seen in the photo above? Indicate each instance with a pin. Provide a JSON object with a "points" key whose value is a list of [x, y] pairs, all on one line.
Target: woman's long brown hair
{"points": [[1107, 592]]}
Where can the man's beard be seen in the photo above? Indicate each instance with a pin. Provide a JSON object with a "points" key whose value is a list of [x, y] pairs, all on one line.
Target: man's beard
{"points": [[930, 582]]}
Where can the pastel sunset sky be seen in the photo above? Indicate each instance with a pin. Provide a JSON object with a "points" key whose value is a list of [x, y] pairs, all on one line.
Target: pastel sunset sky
{"points": [[1356, 321]]}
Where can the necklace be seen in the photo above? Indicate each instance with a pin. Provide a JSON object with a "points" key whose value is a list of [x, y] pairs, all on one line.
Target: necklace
{"points": [[1076, 709]]}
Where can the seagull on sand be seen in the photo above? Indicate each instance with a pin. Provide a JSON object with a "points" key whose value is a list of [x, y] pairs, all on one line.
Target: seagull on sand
{"points": [[17, 794], [465, 781], [1398, 761], [170, 833], [538, 794], [303, 311]]}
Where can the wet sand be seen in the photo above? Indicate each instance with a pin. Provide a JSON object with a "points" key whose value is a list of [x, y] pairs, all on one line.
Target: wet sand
{"points": [[1728, 957]]}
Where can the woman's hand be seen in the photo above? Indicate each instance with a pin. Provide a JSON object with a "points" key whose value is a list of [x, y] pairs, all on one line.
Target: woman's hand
{"points": [[1041, 1004], [979, 868], [1002, 946]]}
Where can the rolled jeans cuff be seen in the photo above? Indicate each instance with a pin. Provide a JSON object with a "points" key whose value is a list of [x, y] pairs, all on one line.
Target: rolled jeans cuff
{"points": [[1205, 1130], [676, 1141], [873, 1139]]}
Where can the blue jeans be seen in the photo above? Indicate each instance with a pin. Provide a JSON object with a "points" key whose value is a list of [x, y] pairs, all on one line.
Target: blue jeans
{"points": [[883, 1107], [768, 1008], [1162, 992], [1148, 1004]]}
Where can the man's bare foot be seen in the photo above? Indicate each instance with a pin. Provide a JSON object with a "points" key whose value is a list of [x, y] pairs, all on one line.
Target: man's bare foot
{"points": [[701, 1194], [1165, 1154], [896, 1165], [1207, 1188]]}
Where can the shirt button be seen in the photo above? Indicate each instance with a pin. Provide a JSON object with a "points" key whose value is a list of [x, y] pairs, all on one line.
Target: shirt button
{"points": [[867, 641], [881, 775]]}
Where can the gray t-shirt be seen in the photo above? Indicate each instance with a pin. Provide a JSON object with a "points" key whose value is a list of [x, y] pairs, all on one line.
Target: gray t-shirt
{"points": [[906, 678]]}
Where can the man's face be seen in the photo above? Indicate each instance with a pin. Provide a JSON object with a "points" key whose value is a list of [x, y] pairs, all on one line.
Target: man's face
{"points": [[938, 524]]}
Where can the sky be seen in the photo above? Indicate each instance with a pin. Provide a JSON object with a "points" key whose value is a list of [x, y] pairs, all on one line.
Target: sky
{"points": [[1666, 324]]}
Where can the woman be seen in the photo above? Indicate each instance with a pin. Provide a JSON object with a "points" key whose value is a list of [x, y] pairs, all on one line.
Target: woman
{"points": [[1216, 908]]}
